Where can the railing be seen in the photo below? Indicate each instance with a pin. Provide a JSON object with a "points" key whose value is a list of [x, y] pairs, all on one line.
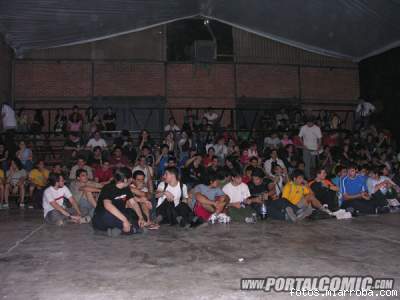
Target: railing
{"points": [[238, 118]]}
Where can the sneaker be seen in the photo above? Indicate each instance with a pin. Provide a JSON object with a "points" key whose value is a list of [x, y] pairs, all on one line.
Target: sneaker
{"points": [[30, 206], [213, 218], [158, 219], [60, 223], [5, 206], [393, 202], [180, 221], [134, 230], [290, 216], [85, 220], [198, 222], [304, 212], [22, 205], [114, 232], [325, 209], [224, 219], [249, 220]]}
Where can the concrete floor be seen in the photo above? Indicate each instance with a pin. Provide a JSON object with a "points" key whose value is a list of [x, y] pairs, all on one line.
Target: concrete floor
{"points": [[43, 262]]}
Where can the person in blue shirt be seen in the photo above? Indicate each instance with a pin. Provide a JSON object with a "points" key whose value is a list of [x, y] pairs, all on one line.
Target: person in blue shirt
{"points": [[355, 194]]}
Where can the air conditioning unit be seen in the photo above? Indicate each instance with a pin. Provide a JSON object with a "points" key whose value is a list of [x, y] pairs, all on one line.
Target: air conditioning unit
{"points": [[205, 51]]}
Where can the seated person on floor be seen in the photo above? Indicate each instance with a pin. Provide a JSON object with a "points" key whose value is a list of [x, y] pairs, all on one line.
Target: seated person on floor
{"points": [[300, 197], [38, 180], [209, 201], [85, 192], [239, 195], [259, 189], [142, 197], [54, 209], [356, 198], [194, 172], [273, 161], [381, 188], [172, 205], [81, 164], [324, 190], [15, 182], [116, 211]]}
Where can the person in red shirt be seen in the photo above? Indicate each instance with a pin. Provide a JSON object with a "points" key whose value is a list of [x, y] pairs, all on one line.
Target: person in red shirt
{"points": [[118, 160], [103, 173]]}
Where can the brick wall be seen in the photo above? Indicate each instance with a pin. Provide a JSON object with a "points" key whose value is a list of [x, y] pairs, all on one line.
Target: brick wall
{"points": [[267, 81], [129, 79], [183, 84], [47, 80]]}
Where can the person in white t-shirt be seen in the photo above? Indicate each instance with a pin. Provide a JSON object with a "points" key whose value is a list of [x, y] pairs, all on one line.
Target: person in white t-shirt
{"points": [[8, 117], [172, 204], [273, 161], [171, 126], [96, 141], [240, 197], [9, 122], [311, 137], [54, 210], [364, 110]]}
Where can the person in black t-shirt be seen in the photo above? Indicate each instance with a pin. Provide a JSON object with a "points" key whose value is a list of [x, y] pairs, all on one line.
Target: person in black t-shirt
{"points": [[116, 208]]}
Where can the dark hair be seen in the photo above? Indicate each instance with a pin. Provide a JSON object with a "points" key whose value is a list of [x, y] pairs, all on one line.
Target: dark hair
{"points": [[96, 148], [211, 148], [79, 172], [213, 176], [253, 158], [17, 162], [236, 172], [120, 174], [164, 146], [171, 158], [297, 173], [54, 178], [172, 170], [257, 172], [82, 158], [138, 173]]}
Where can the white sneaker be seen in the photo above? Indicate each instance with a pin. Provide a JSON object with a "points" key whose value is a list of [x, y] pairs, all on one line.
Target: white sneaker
{"points": [[213, 218], [22, 205], [85, 220], [325, 209], [224, 219], [5, 206]]}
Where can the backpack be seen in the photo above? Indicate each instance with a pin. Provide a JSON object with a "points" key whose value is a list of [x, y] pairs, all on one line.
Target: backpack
{"points": [[181, 186]]}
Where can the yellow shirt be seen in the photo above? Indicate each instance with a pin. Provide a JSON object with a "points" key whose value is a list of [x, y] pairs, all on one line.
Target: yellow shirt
{"points": [[294, 192], [39, 178]]}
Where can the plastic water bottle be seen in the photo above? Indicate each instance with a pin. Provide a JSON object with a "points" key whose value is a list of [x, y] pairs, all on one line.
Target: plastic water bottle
{"points": [[263, 211]]}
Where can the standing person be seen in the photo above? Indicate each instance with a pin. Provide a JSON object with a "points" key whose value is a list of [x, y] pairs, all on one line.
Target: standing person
{"points": [[53, 203], [116, 211], [311, 137], [9, 126], [110, 119], [172, 204], [364, 110]]}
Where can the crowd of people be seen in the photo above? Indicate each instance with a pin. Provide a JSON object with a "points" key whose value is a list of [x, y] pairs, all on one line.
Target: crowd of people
{"points": [[201, 173]]}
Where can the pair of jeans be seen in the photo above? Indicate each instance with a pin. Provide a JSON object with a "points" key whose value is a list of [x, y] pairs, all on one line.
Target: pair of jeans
{"points": [[105, 220], [169, 212], [310, 162]]}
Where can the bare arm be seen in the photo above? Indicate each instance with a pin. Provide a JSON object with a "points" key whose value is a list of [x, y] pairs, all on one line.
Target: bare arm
{"points": [[204, 200], [114, 211]]}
